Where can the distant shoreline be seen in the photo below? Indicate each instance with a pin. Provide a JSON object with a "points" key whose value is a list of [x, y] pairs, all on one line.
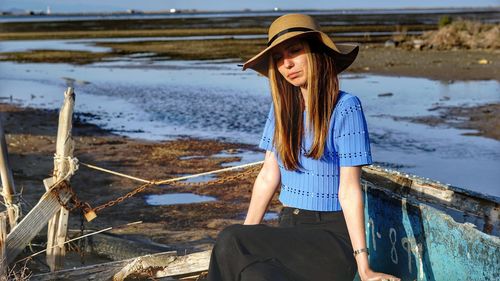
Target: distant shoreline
{"points": [[195, 12]]}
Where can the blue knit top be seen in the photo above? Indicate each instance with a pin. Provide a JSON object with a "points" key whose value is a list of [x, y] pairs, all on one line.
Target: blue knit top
{"points": [[315, 186]]}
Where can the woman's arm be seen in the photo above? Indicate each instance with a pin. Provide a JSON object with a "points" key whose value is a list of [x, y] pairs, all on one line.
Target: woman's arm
{"points": [[351, 200], [263, 189]]}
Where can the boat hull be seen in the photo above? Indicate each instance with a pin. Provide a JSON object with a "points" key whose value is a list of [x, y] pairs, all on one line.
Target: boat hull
{"points": [[415, 241]]}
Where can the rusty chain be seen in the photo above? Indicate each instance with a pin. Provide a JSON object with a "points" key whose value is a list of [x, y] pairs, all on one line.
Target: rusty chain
{"points": [[218, 181], [122, 198], [75, 203]]}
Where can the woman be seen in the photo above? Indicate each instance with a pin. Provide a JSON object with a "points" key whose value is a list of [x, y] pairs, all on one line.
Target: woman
{"points": [[316, 140]]}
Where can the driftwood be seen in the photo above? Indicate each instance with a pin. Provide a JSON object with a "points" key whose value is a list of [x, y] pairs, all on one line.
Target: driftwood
{"points": [[33, 223], [3, 235], [186, 265], [8, 188], [160, 265], [58, 225]]}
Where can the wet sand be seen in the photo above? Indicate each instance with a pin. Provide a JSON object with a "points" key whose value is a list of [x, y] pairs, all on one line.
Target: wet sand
{"points": [[460, 64], [484, 119]]}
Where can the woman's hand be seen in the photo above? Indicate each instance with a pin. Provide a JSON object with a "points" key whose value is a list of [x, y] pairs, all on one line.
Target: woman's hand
{"points": [[371, 275]]}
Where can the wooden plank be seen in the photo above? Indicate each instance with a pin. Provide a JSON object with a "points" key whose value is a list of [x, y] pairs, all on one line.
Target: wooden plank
{"points": [[8, 188], [58, 226], [61, 236], [48, 182], [182, 265], [3, 236], [106, 271], [33, 223], [161, 265]]}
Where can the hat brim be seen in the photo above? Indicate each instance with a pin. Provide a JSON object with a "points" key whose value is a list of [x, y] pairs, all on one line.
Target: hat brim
{"points": [[343, 54]]}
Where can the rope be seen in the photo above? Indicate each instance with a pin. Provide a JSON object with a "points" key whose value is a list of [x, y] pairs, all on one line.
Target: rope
{"points": [[160, 182], [85, 206], [17, 211], [115, 173], [73, 166], [209, 173], [15, 196], [72, 163], [15, 205]]}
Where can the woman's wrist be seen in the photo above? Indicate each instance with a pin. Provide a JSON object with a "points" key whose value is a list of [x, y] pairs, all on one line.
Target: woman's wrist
{"points": [[364, 272], [363, 264], [360, 251]]}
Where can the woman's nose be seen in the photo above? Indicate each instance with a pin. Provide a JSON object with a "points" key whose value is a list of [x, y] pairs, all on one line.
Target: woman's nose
{"points": [[288, 62]]}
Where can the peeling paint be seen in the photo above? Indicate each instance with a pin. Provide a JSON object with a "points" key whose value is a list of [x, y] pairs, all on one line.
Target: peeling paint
{"points": [[417, 240]]}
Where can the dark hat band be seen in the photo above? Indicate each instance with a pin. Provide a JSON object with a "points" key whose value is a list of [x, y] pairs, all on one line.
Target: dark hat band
{"points": [[286, 31]]}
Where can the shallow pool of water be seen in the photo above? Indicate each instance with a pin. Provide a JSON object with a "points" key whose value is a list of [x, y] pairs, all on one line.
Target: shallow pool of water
{"points": [[246, 156], [198, 179], [177, 198], [55, 44], [270, 216]]}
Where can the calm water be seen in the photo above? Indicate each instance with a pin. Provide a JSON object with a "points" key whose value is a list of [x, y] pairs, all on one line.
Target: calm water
{"points": [[162, 100], [237, 14], [177, 198]]}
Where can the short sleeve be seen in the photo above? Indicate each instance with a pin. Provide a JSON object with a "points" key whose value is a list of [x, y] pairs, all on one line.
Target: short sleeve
{"points": [[266, 142], [351, 139]]}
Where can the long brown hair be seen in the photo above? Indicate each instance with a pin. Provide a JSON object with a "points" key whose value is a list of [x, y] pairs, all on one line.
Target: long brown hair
{"points": [[322, 90]]}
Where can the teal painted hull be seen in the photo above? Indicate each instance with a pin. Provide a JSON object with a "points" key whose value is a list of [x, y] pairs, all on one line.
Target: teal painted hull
{"points": [[419, 230]]}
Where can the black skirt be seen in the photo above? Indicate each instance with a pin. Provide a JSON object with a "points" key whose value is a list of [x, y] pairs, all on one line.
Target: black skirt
{"points": [[307, 245]]}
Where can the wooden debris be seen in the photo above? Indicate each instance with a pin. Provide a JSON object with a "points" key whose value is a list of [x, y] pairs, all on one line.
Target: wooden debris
{"points": [[33, 222], [58, 226], [160, 265], [8, 188], [3, 235]]}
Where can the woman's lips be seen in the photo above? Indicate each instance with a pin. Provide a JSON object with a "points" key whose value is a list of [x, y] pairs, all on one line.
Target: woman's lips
{"points": [[293, 75]]}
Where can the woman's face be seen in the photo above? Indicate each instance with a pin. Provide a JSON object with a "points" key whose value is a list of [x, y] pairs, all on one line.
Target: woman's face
{"points": [[291, 60]]}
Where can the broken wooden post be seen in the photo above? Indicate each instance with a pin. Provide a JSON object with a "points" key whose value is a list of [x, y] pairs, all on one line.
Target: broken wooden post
{"points": [[8, 189], [34, 222], [3, 238], [49, 204], [58, 225]]}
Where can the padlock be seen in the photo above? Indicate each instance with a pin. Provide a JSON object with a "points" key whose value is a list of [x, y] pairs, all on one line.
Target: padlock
{"points": [[90, 215]]}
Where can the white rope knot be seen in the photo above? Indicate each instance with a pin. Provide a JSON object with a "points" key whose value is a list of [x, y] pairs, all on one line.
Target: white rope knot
{"points": [[14, 206], [72, 164], [15, 196], [17, 210]]}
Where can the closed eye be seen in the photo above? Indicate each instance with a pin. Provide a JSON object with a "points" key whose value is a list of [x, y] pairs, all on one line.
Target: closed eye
{"points": [[277, 57]]}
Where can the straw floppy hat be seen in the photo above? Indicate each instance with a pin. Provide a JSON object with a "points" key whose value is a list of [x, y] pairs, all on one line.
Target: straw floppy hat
{"points": [[297, 26]]}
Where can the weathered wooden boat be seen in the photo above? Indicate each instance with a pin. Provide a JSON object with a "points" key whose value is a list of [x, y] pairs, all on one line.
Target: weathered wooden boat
{"points": [[417, 229]]}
